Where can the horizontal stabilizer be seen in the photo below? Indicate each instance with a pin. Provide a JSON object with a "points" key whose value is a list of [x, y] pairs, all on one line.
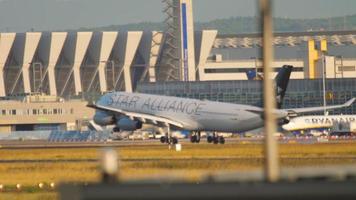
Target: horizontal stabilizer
{"points": [[321, 108]]}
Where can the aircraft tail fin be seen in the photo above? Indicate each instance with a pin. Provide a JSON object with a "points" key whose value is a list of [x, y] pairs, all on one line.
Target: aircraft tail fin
{"points": [[282, 80]]}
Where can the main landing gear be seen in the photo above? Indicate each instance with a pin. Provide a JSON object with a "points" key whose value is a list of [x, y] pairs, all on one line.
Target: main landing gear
{"points": [[216, 139], [168, 138], [195, 137]]}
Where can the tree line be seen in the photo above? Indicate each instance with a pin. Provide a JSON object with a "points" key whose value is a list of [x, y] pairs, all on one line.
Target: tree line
{"points": [[239, 25]]}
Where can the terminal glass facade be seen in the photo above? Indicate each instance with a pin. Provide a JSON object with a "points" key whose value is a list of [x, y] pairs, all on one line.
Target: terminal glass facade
{"points": [[300, 93]]}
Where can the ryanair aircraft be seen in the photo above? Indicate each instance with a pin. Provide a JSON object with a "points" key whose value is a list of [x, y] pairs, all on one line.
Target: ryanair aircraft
{"points": [[317, 122]]}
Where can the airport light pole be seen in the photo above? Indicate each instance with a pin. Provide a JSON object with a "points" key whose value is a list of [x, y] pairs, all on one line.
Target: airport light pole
{"points": [[323, 50], [271, 147], [324, 84]]}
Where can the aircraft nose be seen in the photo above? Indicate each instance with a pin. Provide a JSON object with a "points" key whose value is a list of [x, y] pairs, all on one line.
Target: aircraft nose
{"points": [[288, 126]]}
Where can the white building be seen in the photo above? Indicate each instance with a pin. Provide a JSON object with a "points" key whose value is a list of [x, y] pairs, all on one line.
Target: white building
{"points": [[66, 64], [73, 63]]}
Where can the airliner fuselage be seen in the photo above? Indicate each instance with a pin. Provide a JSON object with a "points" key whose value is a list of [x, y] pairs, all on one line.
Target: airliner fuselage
{"points": [[195, 115]]}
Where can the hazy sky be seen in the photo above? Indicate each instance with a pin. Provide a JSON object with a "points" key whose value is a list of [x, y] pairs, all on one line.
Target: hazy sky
{"points": [[22, 15]]}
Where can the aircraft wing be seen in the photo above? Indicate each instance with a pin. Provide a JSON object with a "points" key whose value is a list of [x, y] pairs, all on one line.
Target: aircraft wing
{"points": [[145, 118], [296, 111]]}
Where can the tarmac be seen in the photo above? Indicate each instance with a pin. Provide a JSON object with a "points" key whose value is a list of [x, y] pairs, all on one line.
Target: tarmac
{"points": [[43, 144]]}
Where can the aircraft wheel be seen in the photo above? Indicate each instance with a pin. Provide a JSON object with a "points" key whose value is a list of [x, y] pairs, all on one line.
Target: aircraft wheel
{"points": [[193, 139], [198, 136], [216, 140], [221, 140], [163, 139], [209, 139], [174, 140]]}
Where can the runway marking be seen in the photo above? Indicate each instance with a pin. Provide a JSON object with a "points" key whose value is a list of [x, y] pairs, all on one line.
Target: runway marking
{"points": [[147, 143]]}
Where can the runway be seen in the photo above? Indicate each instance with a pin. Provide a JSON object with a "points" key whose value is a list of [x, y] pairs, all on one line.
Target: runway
{"points": [[226, 158], [43, 144]]}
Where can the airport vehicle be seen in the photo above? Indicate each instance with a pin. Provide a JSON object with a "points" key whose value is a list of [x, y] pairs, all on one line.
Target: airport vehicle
{"points": [[313, 122], [128, 111]]}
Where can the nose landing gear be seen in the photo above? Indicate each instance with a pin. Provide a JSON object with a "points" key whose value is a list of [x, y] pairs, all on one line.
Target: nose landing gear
{"points": [[168, 138], [195, 138]]}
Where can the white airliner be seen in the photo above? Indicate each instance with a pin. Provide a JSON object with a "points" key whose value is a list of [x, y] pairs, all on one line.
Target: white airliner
{"points": [[317, 122], [128, 111]]}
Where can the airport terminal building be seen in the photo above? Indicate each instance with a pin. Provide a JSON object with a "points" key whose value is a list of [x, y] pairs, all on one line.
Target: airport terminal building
{"points": [[72, 64], [37, 112]]}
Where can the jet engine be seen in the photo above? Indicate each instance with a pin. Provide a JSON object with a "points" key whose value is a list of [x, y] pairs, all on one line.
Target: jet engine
{"points": [[126, 124], [103, 118]]}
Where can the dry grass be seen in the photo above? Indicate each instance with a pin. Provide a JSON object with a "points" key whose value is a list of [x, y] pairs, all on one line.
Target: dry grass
{"points": [[189, 151], [34, 173], [155, 160], [29, 196]]}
